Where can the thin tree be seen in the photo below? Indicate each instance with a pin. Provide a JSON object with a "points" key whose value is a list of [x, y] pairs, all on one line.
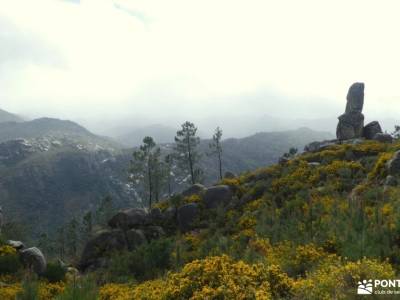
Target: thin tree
{"points": [[104, 211], [185, 151], [168, 163], [145, 169], [216, 148]]}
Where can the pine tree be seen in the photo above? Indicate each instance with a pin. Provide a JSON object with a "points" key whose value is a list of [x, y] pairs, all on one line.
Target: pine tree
{"points": [[216, 148], [146, 169], [105, 211], [86, 227], [168, 163], [185, 151], [72, 237]]}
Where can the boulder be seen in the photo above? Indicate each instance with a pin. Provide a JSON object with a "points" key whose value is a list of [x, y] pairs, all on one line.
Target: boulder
{"points": [[170, 214], [195, 189], [187, 214], [155, 214], [371, 129], [318, 146], [129, 218], [355, 98], [390, 181], [393, 165], [383, 138], [351, 123], [314, 164], [153, 232], [16, 244], [217, 195], [34, 259], [229, 175], [350, 126], [102, 243]]}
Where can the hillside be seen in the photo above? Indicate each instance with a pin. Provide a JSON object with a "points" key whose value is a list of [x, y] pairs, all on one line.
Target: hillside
{"points": [[50, 127], [53, 170], [310, 228], [9, 117], [261, 149], [48, 164]]}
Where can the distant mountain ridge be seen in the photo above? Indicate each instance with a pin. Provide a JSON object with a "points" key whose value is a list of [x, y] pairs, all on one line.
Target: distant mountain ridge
{"points": [[260, 149], [5, 116], [52, 170], [55, 128]]}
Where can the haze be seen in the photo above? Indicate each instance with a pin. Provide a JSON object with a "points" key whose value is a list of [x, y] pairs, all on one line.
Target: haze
{"points": [[117, 64]]}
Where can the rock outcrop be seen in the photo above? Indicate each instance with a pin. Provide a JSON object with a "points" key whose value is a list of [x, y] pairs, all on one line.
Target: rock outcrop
{"points": [[129, 229], [351, 123], [383, 138], [219, 195], [393, 165], [195, 189], [18, 245], [187, 215], [129, 218], [34, 259], [371, 129]]}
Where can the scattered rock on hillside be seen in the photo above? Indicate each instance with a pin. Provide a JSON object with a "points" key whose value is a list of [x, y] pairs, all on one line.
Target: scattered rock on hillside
{"points": [[351, 123], [34, 259], [187, 214], [195, 189], [383, 138], [155, 214], [390, 181], [129, 218], [103, 242], [217, 195], [371, 129], [170, 213], [16, 244], [318, 146], [393, 165]]}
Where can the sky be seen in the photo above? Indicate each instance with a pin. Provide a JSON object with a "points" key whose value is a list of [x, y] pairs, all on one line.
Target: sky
{"points": [[141, 62]]}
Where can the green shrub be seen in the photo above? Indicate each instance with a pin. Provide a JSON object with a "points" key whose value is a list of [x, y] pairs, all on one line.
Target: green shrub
{"points": [[54, 272], [9, 260], [145, 262]]}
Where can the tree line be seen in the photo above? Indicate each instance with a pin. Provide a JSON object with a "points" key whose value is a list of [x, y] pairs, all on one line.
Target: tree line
{"points": [[153, 172]]}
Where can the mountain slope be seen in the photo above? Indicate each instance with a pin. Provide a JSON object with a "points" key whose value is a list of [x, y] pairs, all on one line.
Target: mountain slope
{"points": [[9, 117], [261, 149], [49, 127], [294, 230], [52, 164]]}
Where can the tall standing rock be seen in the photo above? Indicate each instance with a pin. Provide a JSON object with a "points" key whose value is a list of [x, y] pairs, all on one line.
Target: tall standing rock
{"points": [[351, 123]]}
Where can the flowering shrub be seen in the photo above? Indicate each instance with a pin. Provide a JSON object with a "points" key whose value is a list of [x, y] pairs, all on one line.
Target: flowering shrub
{"points": [[192, 199], [116, 292], [379, 168], [211, 278], [339, 280], [10, 292], [48, 291], [9, 261]]}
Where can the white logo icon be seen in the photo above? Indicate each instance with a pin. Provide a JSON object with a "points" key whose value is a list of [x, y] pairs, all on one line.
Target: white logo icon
{"points": [[365, 287]]}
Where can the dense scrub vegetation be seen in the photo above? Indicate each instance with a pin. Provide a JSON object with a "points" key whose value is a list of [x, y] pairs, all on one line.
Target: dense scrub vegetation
{"points": [[309, 228]]}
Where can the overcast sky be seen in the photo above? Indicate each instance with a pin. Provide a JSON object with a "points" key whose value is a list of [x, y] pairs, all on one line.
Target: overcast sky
{"points": [[153, 61]]}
